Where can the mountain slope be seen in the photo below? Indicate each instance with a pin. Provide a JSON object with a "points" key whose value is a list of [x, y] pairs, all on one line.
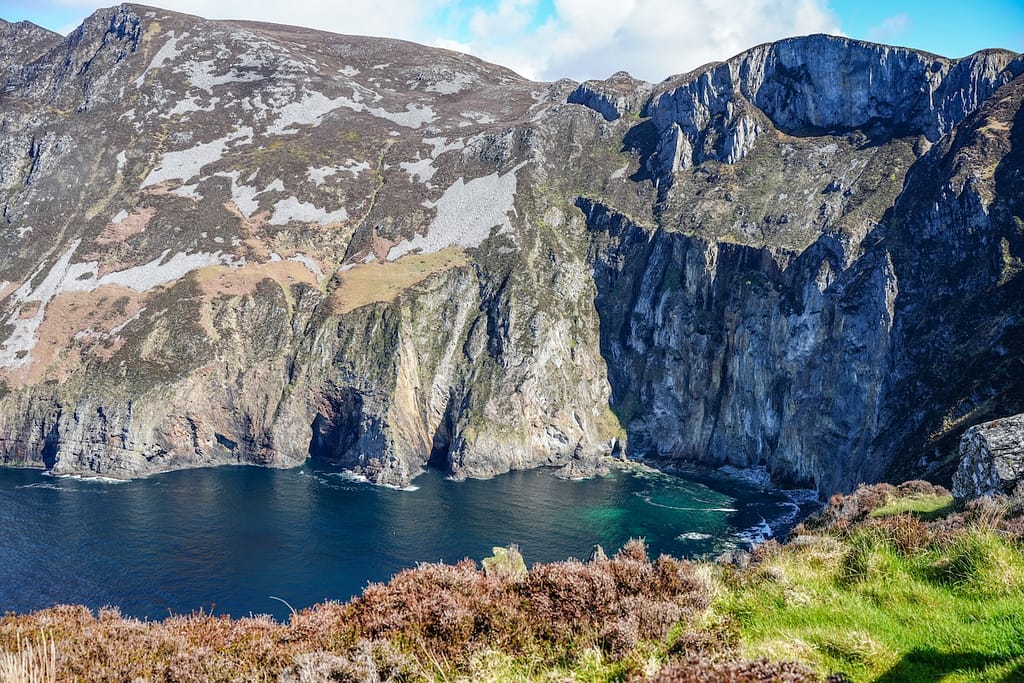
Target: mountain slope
{"points": [[238, 242]]}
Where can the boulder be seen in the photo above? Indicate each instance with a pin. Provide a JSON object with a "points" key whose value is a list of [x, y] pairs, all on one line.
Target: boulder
{"points": [[991, 458]]}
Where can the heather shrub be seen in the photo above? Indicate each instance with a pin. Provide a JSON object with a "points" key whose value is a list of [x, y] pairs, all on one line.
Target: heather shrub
{"points": [[569, 599], [672, 577], [907, 533], [919, 487], [555, 610], [699, 670], [327, 626], [766, 551], [709, 640], [431, 601], [620, 637], [631, 568], [320, 667]]}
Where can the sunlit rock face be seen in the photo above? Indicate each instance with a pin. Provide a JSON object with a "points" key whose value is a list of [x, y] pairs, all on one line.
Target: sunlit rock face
{"points": [[991, 459], [229, 242]]}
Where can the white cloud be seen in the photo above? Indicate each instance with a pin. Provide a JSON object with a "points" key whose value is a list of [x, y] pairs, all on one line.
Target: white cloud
{"points": [[582, 39], [651, 39], [890, 28]]}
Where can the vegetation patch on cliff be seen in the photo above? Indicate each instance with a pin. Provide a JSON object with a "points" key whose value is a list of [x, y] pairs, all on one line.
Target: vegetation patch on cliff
{"points": [[369, 283]]}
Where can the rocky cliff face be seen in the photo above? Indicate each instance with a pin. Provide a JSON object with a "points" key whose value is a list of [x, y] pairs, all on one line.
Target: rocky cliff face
{"points": [[230, 242]]}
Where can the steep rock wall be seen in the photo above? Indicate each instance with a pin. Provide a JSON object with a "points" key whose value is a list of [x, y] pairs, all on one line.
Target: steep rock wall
{"points": [[831, 364]]}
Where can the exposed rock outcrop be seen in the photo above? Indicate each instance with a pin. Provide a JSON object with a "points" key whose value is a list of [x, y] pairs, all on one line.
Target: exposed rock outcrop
{"points": [[991, 459], [819, 85], [619, 95]]}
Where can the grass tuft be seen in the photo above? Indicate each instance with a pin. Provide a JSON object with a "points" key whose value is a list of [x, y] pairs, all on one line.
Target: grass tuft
{"points": [[34, 662], [924, 506]]}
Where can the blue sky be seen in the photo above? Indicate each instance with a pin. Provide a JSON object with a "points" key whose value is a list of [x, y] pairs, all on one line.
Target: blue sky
{"points": [[653, 39]]}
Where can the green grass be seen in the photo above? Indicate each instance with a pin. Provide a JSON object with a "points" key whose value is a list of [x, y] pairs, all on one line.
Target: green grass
{"points": [[949, 612], [924, 506]]}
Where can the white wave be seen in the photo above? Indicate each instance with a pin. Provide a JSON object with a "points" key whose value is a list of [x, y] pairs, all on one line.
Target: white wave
{"points": [[42, 485], [802, 496], [410, 487], [646, 497], [96, 479], [757, 534], [355, 477], [349, 475], [755, 475], [693, 536]]}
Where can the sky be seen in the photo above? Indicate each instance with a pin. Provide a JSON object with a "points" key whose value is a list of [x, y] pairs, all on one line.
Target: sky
{"points": [[583, 39]]}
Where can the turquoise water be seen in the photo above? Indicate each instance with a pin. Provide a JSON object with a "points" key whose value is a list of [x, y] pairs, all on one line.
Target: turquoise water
{"points": [[227, 539]]}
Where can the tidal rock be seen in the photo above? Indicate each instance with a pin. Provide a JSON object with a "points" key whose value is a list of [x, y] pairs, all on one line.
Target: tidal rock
{"points": [[991, 459]]}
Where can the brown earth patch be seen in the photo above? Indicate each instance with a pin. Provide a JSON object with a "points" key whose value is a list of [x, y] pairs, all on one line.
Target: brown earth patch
{"points": [[163, 189], [7, 288], [228, 281], [381, 247], [250, 226], [29, 309], [78, 323], [369, 283], [136, 222]]}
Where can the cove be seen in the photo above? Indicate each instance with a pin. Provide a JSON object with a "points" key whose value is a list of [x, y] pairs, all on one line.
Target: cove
{"points": [[228, 539]]}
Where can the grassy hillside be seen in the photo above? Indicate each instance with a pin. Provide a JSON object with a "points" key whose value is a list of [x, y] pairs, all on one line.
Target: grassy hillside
{"points": [[888, 584]]}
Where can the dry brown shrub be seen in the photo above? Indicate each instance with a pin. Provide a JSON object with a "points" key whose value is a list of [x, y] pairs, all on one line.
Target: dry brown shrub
{"points": [[327, 626], [621, 637], [699, 670], [568, 598], [433, 602], [766, 551], [708, 641], [631, 569], [846, 512], [426, 622], [918, 487], [907, 532]]}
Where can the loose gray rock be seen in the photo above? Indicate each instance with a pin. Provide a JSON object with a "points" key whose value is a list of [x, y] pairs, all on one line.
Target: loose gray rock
{"points": [[991, 459]]}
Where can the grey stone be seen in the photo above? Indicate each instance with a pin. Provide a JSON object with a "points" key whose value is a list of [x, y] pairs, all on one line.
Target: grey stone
{"points": [[991, 459]]}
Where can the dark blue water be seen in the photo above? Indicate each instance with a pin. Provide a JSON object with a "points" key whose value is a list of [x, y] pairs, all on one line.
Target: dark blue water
{"points": [[227, 539]]}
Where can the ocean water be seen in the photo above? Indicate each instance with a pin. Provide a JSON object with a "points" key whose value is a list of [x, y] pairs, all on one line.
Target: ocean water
{"points": [[233, 540]]}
